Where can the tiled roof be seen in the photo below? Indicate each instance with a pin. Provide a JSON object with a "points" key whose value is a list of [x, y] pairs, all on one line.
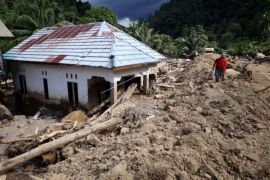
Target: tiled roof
{"points": [[95, 44]]}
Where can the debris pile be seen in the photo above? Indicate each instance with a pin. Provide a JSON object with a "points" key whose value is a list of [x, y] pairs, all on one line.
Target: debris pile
{"points": [[192, 128]]}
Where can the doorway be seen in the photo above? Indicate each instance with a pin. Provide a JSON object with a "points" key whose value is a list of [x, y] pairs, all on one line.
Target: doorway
{"points": [[23, 86], [96, 88], [73, 93]]}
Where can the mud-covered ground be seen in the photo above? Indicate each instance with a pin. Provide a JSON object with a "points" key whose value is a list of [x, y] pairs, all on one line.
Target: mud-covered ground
{"points": [[193, 128], [199, 129]]}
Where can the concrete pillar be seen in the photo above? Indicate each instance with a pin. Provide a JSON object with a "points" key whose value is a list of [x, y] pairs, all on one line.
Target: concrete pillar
{"points": [[145, 84], [113, 92]]}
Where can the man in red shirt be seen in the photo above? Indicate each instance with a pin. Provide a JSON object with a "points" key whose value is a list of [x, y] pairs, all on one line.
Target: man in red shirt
{"points": [[220, 67]]}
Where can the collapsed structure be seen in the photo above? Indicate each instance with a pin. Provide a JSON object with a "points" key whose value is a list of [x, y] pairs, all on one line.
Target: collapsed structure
{"points": [[79, 64]]}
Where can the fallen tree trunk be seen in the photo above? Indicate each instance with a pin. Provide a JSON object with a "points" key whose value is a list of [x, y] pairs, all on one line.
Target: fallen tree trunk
{"points": [[58, 143]]}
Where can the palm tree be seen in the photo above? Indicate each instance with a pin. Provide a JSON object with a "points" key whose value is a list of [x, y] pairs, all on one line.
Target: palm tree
{"points": [[41, 13], [142, 32], [194, 39]]}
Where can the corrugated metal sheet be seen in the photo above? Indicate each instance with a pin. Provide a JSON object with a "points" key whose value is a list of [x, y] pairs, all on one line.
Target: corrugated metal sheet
{"points": [[4, 32], [94, 44]]}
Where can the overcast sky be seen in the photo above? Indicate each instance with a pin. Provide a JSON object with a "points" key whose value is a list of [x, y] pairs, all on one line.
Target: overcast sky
{"points": [[130, 10]]}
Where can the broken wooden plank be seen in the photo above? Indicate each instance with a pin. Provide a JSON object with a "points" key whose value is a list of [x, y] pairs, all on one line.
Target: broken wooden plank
{"points": [[48, 136], [126, 95], [165, 86], [58, 143]]}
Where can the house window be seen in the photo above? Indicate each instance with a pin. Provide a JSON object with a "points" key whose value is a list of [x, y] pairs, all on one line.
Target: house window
{"points": [[73, 93], [42, 72], [71, 76], [66, 75], [46, 73], [46, 90], [76, 76], [23, 85]]}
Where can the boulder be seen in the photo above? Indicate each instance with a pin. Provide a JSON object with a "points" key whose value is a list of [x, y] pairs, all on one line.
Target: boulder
{"points": [[117, 172], [75, 116], [148, 128], [124, 131], [259, 56], [157, 138], [67, 151], [93, 140], [5, 113], [192, 165], [231, 73]]}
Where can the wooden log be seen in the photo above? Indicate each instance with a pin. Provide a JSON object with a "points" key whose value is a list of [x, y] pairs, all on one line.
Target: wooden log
{"points": [[58, 143]]}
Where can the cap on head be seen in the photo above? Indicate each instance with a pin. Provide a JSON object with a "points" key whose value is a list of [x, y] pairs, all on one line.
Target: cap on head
{"points": [[224, 54]]}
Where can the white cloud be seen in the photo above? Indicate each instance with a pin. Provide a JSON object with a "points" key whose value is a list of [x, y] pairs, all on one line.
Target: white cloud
{"points": [[126, 22]]}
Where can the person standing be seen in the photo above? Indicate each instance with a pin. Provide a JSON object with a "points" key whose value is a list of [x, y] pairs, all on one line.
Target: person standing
{"points": [[220, 67]]}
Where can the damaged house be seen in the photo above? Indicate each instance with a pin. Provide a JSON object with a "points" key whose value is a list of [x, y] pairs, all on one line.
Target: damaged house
{"points": [[79, 65]]}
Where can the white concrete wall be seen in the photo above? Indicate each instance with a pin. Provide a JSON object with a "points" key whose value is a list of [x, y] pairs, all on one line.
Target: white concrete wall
{"points": [[57, 80]]}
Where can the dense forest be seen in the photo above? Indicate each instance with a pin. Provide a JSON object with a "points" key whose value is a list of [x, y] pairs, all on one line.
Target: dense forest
{"points": [[179, 28], [238, 25]]}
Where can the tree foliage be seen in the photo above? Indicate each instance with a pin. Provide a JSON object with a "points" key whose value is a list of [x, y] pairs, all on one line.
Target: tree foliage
{"points": [[98, 15], [225, 21]]}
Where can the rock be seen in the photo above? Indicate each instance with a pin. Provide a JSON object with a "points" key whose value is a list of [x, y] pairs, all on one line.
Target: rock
{"points": [[167, 118], [259, 56], [93, 140], [148, 128], [170, 79], [124, 131], [252, 157], [183, 175], [157, 138], [190, 128], [192, 165], [208, 130], [5, 113], [168, 145], [67, 151], [159, 96], [75, 116], [174, 116], [171, 102], [49, 158], [232, 74], [199, 109], [235, 84], [67, 126], [20, 118], [117, 172], [260, 126]]}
